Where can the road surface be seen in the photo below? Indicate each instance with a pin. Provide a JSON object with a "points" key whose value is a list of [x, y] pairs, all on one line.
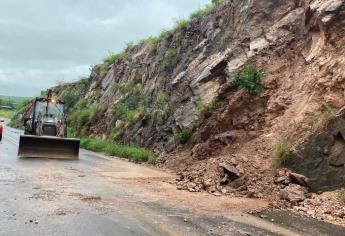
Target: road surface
{"points": [[97, 195]]}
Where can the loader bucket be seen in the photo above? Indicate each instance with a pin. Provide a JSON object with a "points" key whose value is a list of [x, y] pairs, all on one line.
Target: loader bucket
{"points": [[48, 147]]}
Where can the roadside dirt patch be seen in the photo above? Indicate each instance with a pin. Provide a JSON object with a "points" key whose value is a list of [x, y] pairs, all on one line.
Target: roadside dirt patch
{"points": [[63, 212], [85, 198], [45, 195]]}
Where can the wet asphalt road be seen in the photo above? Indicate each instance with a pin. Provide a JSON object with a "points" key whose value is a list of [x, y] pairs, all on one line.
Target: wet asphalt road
{"points": [[54, 197]]}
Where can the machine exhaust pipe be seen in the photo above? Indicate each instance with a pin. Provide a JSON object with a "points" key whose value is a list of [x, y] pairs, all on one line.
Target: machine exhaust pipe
{"points": [[48, 147]]}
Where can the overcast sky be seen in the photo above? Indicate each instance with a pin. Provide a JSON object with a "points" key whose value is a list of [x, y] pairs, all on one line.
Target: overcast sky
{"points": [[45, 42]]}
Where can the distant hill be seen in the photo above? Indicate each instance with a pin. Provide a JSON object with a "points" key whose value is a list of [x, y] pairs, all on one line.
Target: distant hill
{"points": [[13, 102], [14, 99]]}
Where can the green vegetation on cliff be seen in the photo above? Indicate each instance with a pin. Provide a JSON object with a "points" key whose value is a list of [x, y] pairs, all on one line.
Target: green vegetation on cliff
{"points": [[249, 78]]}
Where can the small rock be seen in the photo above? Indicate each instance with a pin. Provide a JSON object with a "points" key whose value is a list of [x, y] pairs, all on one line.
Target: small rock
{"points": [[238, 182], [234, 162], [340, 214], [191, 187], [281, 173], [284, 180], [185, 220], [251, 194], [243, 233], [328, 212], [225, 179], [252, 134], [259, 195], [242, 188], [208, 183], [179, 178]]}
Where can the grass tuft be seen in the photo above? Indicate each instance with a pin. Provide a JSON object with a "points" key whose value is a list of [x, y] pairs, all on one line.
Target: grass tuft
{"points": [[204, 110], [281, 153], [322, 119], [341, 195]]}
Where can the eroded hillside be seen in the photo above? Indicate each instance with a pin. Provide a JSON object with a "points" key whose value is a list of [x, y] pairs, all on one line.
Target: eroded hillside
{"points": [[176, 95]]}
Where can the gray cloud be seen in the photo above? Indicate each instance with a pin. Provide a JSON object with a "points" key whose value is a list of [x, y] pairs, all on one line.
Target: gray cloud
{"points": [[44, 42]]}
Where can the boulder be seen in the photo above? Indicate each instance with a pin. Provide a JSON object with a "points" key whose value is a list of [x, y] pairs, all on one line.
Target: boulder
{"points": [[299, 179], [232, 172], [283, 180], [294, 193]]}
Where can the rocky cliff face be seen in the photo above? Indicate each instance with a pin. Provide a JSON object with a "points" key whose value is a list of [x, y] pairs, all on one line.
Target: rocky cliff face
{"points": [[196, 61], [181, 85]]}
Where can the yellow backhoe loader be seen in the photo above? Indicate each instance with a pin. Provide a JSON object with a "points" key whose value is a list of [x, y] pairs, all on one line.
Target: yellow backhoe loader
{"points": [[45, 132]]}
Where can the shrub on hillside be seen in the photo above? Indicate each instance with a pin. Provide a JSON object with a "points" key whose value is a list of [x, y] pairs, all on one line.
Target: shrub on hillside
{"points": [[281, 153], [183, 136], [111, 58], [70, 97], [82, 115], [151, 40], [249, 78]]}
